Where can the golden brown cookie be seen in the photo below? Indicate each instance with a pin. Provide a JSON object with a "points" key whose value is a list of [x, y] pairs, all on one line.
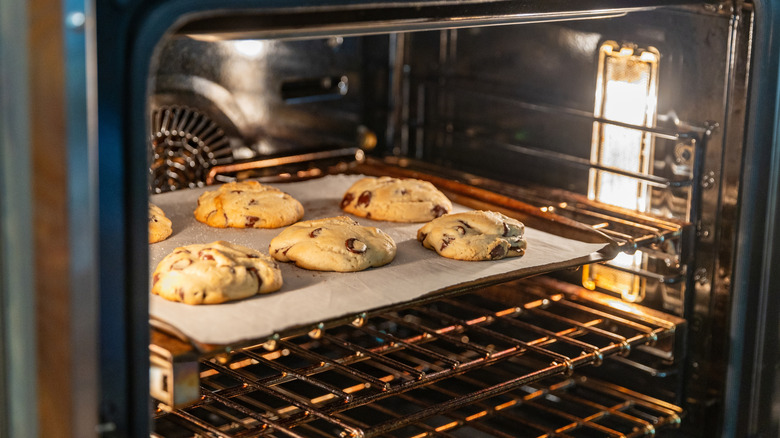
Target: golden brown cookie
{"points": [[247, 204], [474, 235], [395, 200], [333, 244], [160, 226], [214, 273]]}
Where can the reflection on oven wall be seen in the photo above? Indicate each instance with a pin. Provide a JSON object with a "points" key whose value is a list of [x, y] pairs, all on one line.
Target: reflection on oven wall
{"points": [[269, 98]]}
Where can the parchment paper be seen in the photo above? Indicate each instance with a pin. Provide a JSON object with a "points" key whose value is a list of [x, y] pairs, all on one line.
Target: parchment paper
{"points": [[309, 297]]}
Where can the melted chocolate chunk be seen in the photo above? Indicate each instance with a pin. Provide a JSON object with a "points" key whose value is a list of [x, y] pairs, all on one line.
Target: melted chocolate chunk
{"points": [[358, 248], [445, 241], [347, 199], [205, 256], [257, 276], [423, 236], [439, 211], [364, 199], [497, 252], [506, 230], [465, 224], [368, 215], [315, 232], [251, 220]]}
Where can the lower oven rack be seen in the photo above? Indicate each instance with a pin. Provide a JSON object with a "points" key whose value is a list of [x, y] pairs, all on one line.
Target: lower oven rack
{"points": [[449, 367]]}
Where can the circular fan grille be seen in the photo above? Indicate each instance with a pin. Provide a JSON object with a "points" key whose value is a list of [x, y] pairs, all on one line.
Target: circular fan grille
{"points": [[185, 145]]}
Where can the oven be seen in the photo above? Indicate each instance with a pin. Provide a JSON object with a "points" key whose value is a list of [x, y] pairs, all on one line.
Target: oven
{"points": [[644, 128]]}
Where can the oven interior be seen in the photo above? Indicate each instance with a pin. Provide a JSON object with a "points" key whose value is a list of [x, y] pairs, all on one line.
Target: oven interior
{"points": [[629, 122]]}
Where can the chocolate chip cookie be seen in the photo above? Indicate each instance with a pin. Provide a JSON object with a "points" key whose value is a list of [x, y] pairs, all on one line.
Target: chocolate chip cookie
{"points": [[333, 244], [214, 273], [395, 200], [474, 235], [160, 226], [247, 204]]}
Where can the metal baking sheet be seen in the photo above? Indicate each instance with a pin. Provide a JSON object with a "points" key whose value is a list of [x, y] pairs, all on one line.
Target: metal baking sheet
{"points": [[310, 297]]}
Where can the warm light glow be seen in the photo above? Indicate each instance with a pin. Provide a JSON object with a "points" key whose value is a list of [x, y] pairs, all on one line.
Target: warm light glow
{"points": [[631, 289], [626, 92]]}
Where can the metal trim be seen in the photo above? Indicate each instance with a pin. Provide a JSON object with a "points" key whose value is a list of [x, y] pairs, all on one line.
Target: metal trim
{"points": [[18, 378]]}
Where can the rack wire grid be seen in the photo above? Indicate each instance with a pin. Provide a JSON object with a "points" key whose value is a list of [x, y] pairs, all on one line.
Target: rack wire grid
{"points": [[497, 362]]}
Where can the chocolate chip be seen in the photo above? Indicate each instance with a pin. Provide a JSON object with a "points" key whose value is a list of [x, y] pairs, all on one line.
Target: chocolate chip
{"points": [[465, 224], [364, 199], [347, 199], [461, 230], [355, 246], [156, 278], [257, 276], [497, 252], [445, 241], [439, 210], [251, 220], [315, 232], [253, 256], [283, 250], [205, 256], [252, 202], [404, 192], [368, 215], [506, 230], [236, 191], [422, 237]]}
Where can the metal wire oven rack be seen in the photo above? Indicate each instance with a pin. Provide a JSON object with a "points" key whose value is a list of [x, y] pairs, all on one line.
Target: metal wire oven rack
{"points": [[497, 361]]}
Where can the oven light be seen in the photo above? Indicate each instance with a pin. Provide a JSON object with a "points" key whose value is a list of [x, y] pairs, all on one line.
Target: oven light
{"points": [[626, 92], [630, 287]]}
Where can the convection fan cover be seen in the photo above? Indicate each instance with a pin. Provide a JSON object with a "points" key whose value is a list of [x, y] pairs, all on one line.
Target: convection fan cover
{"points": [[185, 144]]}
